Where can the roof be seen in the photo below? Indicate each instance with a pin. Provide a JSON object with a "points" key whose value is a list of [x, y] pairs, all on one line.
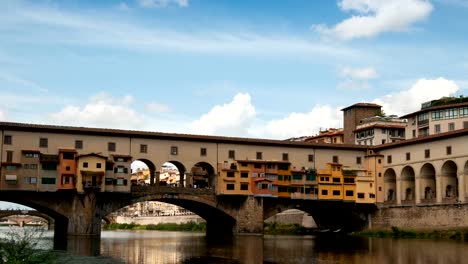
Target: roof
{"points": [[437, 107], [322, 134], [12, 126], [379, 126], [67, 150], [91, 154], [362, 105], [424, 139]]}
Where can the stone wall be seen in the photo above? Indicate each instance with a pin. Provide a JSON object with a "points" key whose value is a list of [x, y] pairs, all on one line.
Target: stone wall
{"points": [[421, 217]]}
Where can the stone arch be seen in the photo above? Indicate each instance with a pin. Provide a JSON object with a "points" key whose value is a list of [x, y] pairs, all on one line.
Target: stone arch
{"points": [[449, 180], [152, 172], [202, 175], [390, 185], [407, 184], [427, 182], [182, 170]]}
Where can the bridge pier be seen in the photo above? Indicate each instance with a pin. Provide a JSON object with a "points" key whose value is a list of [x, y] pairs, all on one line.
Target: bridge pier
{"points": [[84, 215], [250, 216]]}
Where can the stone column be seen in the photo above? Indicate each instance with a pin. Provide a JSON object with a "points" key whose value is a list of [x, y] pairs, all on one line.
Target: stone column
{"points": [[439, 191], [250, 216], [398, 191], [84, 216], [461, 187], [417, 187], [156, 178]]}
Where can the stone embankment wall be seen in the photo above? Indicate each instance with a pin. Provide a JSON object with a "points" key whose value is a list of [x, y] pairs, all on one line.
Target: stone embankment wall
{"points": [[146, 220], [421, 217], [293, 216]]}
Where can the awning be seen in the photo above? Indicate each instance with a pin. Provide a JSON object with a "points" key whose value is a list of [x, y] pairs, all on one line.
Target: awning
{"points": [[10, 177]]}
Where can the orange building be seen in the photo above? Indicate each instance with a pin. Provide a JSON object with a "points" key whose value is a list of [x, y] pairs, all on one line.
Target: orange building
{"points": [[67, 169]]}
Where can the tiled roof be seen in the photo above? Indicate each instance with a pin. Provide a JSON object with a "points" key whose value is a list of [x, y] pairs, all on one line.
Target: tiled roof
{"points": [[362, 105]]}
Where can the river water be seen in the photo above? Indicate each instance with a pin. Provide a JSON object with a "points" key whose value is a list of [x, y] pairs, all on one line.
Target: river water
{"points": [[186, 247]]}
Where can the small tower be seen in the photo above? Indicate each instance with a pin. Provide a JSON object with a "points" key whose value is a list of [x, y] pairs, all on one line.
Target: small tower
{"points": [[353, 114]]}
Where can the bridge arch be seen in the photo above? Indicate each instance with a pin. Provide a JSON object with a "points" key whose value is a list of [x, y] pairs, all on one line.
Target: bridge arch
{"points": [[390, 185], [180, 167], [427, 182], [203, 175], [407, 184], [152, 171], [449, 180]]}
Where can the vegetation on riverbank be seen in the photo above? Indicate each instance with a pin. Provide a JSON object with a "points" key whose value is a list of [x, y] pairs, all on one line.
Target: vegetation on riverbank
{"points": [[395, 232], [189, 226], [22, 245], [285, 229]]}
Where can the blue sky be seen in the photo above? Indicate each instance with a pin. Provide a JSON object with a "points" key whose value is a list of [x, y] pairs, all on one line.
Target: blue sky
{"points": [[268, 69]]}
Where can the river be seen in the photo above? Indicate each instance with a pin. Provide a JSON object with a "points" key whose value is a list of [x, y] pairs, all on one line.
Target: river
{"points": [[185, 247]]}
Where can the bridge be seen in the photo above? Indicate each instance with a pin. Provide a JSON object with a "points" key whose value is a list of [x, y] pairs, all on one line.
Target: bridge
{"points": [[25, 217], [78, 176]]}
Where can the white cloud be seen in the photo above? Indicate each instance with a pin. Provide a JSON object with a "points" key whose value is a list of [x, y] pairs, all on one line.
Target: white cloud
{"points": [[231, 119], [162, 3], [359, 73], [105, 31], [408, 101], [101, 111], [3, 116], [157, 107], [301, 124], [376, 16]]}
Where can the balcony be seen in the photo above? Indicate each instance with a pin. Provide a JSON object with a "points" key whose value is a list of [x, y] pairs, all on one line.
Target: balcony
{"points": [[423, 123]]}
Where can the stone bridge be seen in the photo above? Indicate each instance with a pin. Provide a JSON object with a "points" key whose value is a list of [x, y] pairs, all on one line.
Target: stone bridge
{"points": [[24, 217], [82, 213]]}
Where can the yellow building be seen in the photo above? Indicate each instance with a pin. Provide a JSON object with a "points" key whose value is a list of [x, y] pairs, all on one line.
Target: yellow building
{"points": [[91, 170], [283, 172], [234, 178], [330, 182]]}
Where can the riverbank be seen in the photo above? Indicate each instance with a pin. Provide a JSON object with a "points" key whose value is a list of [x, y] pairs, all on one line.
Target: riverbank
{"points": [[189, 226], [453, 234]]}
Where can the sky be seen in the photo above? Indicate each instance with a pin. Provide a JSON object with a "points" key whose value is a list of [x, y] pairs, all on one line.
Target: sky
{"points": [[263, 69]]}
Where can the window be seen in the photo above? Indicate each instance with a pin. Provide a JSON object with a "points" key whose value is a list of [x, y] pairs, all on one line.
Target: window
{"points": [[78, 144], [109, 166], [111, 146], [335, 179], [437, 115], [174, 150], [230, 174], [108, 181], [360, 195], [389, 159], [383, 141], [10, 168], [427, 153], [384, 131], [371, 195], [85, 164], [448, 150], [285, 157], [230, 186], [349, 193], [143, 148], [380, 188], [43, 142], [358, 160], [335, 159], [202, 151], [244, 175], [414, 133], [9, 157], [463, 111], [121, 182], [259, 155], [336, 192], [324, 192], [45, 180], [7, 140], [408, 156], [67, 168], [244, 187], [31, 155], [68, 156], [98, 165], [310, 177], [379, 161], [280, 177], [297, 177], [271, 166], [451, 113], [232, 154], [49, 166], [451, 126], [258, 165], [348, 180], [311, 158]]}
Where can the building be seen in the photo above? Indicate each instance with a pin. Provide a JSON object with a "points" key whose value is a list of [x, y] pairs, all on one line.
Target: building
{"points": [[378, 130], [438, 116], [352, 116], [330, 136]]}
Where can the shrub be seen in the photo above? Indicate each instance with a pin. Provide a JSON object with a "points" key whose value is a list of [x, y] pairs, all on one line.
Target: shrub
{"points": [[22, 245]]}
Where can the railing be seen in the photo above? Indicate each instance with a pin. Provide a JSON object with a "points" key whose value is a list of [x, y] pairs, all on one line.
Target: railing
{"points": [[170, 190]]}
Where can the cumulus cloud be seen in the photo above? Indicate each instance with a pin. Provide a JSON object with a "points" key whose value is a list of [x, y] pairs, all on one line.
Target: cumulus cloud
{"points": [[301, 124], [359, 73], [407, 101], [375, 17], [162, 3], [2, 115], [157, 108], [102, 110], [231, 119]]}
